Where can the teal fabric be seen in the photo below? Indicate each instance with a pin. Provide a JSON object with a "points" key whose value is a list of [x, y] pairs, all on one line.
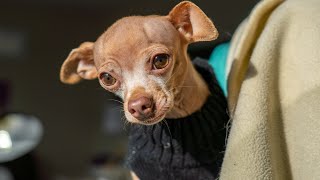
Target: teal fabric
{"points": [[218, 61]]}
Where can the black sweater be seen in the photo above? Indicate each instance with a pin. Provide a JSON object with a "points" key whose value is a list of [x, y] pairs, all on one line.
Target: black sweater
{"points": [[186, 148]]}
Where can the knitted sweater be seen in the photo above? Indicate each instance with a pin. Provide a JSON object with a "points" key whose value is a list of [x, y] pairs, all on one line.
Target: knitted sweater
{"points": [[186, 148]]}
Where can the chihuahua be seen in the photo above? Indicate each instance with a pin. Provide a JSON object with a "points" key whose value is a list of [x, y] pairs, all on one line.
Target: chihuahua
{"points": [[144, 61]]}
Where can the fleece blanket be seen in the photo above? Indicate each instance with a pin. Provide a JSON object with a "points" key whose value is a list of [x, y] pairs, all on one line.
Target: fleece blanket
{"points": [[274, 93]]}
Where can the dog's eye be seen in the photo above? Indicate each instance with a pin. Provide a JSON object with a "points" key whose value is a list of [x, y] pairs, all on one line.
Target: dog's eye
{"points": [[160, 61], [107, 79]]}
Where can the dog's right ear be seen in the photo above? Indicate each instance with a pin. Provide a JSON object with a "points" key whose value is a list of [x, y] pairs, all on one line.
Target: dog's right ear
{"points": [[79, 65]]}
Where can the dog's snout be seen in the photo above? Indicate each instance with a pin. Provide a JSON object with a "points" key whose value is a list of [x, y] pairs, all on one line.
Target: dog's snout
{"points": [[141, 107]]}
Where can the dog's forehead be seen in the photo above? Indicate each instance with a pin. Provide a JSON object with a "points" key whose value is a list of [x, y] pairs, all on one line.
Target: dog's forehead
{"points": [[125, 39]]}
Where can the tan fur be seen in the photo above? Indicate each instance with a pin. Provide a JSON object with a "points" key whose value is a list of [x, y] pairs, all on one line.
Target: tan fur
{"points": [[126, 49]]}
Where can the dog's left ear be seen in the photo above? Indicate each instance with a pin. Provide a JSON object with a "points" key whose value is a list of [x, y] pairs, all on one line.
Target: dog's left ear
{"points": [[192, 22]]}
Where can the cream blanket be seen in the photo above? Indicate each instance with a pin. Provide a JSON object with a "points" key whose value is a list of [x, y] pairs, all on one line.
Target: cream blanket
{"points": [[274, 93]]}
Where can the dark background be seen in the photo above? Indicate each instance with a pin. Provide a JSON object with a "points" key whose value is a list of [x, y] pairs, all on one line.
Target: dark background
{"points": [[73, 116]]}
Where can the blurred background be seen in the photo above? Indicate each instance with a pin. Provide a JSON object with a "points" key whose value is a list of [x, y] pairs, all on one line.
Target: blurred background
{"points": [[80, 130]]}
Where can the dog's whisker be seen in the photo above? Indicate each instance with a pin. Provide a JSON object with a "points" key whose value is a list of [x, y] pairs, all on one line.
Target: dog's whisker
{"points": [[117, 107], [186, 86], [115, 100], [170, 77], [123, 118], [126, 123], [170, 90], [165, 122]]}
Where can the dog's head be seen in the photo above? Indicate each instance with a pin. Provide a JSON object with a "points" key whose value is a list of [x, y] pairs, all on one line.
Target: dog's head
{"points": [[142, 59]]}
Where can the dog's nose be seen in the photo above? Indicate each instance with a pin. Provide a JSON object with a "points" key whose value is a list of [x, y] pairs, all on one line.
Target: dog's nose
{"points": [[141, 107]]}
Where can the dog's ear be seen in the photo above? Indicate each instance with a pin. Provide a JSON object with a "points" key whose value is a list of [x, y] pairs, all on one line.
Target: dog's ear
{"points": [[192, 22], [79, 65]]}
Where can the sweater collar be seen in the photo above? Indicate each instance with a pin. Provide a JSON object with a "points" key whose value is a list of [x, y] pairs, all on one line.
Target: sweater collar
{"points": [[193, 141]]}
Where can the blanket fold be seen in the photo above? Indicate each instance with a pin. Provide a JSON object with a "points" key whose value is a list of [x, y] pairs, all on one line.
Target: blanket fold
{"points": [[274, 88]]}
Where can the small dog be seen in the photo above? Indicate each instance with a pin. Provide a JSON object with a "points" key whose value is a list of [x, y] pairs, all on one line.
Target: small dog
{"points": [[144, 61]]}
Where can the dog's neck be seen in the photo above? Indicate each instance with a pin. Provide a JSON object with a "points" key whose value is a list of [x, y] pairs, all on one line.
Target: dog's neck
{"points": [[190, 90]]}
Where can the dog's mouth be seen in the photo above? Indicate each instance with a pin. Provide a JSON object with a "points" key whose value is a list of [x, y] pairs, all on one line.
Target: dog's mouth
{"points": [[154, 120], [160, 109]]}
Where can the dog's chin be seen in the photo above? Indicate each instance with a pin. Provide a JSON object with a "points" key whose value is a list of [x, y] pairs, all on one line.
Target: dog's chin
{"points": [[153, 121], [158, 117]]}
